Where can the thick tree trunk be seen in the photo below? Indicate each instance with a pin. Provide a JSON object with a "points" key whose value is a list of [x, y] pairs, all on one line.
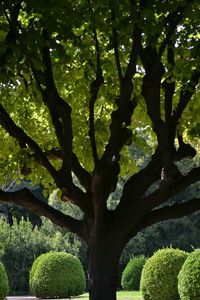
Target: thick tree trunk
{"points": [[103, 261]]}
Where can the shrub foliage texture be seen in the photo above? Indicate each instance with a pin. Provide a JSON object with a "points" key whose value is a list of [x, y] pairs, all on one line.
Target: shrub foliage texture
{"points": [[132, 273], [159, 275], [189, 277], [58, 275], [32, 272], [4, 287]]}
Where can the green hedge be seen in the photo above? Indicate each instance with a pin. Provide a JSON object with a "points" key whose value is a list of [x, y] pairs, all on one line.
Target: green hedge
{"points": [[32, 272], [159, 275], [58, 275], [189, 277], [132, 273]]}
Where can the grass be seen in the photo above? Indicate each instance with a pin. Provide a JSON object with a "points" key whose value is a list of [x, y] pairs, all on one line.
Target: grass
{"points": [[122, 295]]}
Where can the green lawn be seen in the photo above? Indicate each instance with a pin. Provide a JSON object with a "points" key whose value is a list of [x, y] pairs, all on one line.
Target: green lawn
{"points": [[120, 296]]}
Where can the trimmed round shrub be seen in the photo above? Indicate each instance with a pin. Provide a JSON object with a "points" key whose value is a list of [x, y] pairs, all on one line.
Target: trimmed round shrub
{"points": [[189, 277], [58, 275], [159, 275], [132, 273], [4, 288], [32, 272]]}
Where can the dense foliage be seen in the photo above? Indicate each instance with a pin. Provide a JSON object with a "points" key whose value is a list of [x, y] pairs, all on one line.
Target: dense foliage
{"points": [[159, 275], [58, 275], [132, 273], [188, 278], [4, 285]]}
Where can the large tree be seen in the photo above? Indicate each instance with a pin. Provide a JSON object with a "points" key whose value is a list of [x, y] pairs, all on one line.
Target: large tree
{"points": [[83, 81]]}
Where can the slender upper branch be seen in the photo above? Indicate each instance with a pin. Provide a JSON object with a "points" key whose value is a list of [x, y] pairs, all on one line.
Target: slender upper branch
{"points": [[26, 199], [169, 85], [94, 87], [154, 71], [173, 20], [119, 135], [136, 46], [60, 110], [115, 45], [24, 140], [94, 90], [185, 95]]}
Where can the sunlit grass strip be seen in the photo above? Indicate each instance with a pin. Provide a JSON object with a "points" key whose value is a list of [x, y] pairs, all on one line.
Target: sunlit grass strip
{"points": [[122, 295]]}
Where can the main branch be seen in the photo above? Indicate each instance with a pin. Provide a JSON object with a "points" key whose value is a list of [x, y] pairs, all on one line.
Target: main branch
{"points": [[170, 212], [153, 200], [27, 200]]}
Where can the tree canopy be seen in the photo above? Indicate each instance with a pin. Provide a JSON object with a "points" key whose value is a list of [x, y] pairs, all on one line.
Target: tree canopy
{"points": [[95, 89]]}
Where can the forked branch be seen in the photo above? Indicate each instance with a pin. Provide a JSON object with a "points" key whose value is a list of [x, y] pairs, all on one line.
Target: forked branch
{"points": [[56, 154]]}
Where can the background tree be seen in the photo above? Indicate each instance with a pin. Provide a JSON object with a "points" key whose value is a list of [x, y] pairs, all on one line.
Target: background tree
{"points": [[80, 82]]}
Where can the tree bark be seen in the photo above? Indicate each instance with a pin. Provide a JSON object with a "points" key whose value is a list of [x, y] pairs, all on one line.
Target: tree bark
{"points": [[103, 259]]}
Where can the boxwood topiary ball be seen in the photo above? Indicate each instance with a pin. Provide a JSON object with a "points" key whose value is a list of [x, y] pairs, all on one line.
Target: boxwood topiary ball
{"points": [[132, 273], [58, 275], [32, 272], [189, 277], [159, 275], [4, 288]]}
